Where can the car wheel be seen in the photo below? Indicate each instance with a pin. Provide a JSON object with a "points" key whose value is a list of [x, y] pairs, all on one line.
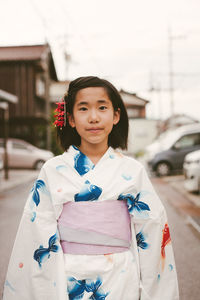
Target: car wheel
{"points": [[163, 169], [38, 165]]}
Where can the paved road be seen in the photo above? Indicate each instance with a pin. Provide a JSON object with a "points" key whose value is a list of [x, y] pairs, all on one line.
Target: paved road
{"points": [[11, 208], [185, 239]]}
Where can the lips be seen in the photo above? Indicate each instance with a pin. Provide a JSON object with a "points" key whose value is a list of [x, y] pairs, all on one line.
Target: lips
{"points": [[94, 129]]}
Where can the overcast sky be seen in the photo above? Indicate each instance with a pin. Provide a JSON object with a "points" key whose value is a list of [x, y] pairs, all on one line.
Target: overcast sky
{"points": [[126, 42]]}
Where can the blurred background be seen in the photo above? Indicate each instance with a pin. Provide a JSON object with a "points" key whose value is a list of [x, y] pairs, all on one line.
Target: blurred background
{"points": [[148, 49]]}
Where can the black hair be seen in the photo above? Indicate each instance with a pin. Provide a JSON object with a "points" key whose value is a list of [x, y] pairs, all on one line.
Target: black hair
{"points": [[118, 137]]}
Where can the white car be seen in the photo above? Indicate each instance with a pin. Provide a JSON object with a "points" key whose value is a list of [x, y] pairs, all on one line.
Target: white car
{"points": [[191, 169], [24, 155]]}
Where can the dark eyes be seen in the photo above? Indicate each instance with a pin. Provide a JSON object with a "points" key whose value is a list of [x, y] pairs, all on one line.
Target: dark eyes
{"points": [[102, 107]]}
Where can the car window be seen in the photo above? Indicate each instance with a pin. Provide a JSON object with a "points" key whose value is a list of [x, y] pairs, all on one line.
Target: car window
{"points": [[18, 146], [188, 141]]}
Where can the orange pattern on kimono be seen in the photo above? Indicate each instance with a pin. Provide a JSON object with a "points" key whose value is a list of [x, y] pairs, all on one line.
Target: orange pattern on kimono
{"points": [[166, 239]]}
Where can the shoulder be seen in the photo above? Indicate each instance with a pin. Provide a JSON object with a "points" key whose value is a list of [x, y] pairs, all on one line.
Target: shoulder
{"points": [[131, 161], [54, 161], [128, 164]]}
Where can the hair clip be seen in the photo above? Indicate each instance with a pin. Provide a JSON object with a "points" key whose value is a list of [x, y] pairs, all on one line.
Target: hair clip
{"points": [[61, 116]]}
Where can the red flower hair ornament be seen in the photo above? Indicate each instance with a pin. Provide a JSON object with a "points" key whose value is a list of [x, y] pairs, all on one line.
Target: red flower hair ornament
{"points": [[61, 114]]}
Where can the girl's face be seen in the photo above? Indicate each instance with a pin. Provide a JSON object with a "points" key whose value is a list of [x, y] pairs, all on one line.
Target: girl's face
{"points": [[93, 116]]}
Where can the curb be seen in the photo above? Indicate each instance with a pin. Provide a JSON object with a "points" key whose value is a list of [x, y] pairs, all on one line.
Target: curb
{"points": [[178, 185], [190, 220], [17, 178]]}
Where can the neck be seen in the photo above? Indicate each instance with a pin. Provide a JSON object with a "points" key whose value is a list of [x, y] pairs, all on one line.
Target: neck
{"points": [[94, 152]]}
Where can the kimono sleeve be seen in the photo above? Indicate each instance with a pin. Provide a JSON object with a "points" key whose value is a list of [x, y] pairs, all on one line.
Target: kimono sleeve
{"points": [[158, 279], [36, 267]]}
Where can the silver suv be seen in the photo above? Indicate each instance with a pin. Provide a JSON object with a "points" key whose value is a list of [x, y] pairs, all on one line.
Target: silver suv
{"points": [[167, 153]]}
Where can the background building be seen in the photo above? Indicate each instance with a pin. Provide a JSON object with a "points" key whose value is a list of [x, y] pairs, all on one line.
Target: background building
{"points": [[136, 106], [27, 72], [142, 131]]}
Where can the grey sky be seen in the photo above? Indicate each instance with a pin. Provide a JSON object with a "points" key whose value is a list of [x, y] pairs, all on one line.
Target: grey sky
{"points": [[124, 41]]}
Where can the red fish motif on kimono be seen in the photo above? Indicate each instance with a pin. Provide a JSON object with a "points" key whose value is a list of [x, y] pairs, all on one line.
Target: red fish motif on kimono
{"points": [[166, 239]]}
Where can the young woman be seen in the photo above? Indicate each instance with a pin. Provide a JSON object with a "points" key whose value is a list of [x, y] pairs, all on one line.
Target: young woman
{"points": [[93, 226]]}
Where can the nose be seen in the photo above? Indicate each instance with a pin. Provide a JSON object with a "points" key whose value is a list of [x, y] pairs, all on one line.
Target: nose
{"points": [[93, 116]]}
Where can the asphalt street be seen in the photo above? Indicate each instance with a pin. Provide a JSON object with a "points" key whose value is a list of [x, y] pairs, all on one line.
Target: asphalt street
{"points": [[11, 208], [186, 240]]}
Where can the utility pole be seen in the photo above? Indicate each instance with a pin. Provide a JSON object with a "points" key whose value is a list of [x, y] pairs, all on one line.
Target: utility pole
{"points": [[155, 86], [171, 75], [171, 38], [5, 107]]}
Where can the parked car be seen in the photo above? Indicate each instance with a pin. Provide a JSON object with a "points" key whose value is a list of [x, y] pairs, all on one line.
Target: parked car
{"points": [[167, 153], [24, 155], [191, 168]]}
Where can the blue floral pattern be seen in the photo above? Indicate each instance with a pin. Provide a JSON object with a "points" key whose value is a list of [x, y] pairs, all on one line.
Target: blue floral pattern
{"points": [[60, 168], [39, 185], [77, 288], [82, 163], [42, 254], [141, 241], [89, 192], [126, 176], [7, 283], [135, 206]]}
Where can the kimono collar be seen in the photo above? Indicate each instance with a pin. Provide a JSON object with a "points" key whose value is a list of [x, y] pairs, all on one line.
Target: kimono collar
{"points": [[82, 163]]}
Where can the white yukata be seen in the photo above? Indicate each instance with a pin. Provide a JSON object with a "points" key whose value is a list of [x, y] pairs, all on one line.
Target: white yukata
{"points": [[38, 268]]}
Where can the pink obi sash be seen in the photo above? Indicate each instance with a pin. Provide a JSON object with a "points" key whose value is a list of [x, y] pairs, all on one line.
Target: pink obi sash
{"points": [[94, 227]]}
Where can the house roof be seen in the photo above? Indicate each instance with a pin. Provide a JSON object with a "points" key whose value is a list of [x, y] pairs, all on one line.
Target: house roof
{"points": [[22, 53], [132, 99], [28, 53]]}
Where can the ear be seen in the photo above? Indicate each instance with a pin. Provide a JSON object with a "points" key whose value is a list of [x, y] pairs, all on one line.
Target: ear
{"points": [[116, 117], [71, 120]]}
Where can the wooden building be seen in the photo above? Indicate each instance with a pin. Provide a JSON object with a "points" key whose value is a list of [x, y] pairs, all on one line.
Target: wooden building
{"points": [[27, 71], [136, 106]]}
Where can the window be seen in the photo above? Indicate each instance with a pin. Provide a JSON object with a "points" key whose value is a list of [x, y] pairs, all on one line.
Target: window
{"points": [[18, 146], [40, 85], [188, 141]]}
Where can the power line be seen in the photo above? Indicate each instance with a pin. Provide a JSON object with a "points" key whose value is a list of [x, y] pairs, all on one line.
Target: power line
{"points": [[84, 42]]}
